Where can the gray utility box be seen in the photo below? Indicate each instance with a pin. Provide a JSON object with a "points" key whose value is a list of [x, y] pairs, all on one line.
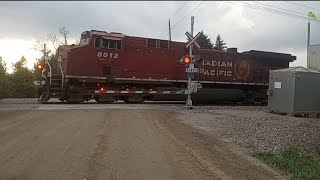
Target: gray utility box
{"points": [[295, 90]]}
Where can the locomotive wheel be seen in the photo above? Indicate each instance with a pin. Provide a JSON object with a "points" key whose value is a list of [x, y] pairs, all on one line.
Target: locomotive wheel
{"points": [[134, 99], [249, 97], [104, 99], [75, 99]]}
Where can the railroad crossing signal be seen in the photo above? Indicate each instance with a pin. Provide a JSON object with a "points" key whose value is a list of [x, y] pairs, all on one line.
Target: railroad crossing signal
{"points": [[190, 75], [45, 54], [187, 59], [191, 70], [192, 40], [192, 86]]}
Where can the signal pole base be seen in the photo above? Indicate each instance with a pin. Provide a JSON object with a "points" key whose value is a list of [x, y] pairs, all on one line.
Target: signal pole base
{"points": [[189, 103], [189, 107]]}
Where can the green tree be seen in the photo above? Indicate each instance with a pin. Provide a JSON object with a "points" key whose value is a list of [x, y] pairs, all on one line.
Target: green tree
{"points": [[53, 60], [3, 68], [4, 86], [21, 80], [220, 45], [204, 42]]}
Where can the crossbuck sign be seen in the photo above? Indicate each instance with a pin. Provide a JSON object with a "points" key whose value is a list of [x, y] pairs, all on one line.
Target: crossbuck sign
{"points": [[192, 39]]}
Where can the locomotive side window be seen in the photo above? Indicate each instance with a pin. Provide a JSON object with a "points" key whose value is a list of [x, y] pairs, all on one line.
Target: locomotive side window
{"points": [[119, 44], [97, 42], [164, 44], [104, 43], [112, 44], [107, 43], [152, 43]]}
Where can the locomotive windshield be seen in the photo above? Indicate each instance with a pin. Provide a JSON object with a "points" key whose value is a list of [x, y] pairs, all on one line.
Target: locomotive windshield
{"points": [[84, 38], [84, 41]]}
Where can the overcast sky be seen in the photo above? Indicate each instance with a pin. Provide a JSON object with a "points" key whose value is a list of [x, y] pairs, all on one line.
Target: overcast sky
{"points": [[22, 23]]}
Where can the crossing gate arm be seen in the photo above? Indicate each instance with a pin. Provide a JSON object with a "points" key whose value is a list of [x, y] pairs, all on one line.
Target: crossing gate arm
{"points": [[146, 92]]}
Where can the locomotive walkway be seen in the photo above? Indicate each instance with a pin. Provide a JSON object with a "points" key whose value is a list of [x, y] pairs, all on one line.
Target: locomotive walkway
{"points": [[117, 142]]}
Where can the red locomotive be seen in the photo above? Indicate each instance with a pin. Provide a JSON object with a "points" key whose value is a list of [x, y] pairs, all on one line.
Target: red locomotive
{"points": [[111, 66]]}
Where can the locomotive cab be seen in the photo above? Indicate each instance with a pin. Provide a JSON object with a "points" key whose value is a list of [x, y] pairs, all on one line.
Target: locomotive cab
{"points": [[100, 40], [85, 39], [94, 56]]}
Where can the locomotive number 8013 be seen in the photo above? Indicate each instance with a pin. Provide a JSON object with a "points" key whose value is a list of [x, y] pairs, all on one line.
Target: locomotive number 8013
{"points": [[107, 55]]}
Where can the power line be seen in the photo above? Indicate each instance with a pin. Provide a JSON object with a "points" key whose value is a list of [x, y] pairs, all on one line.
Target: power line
{"points": [[187, 14], [279, 12], [280, 8], [179, 9], [163, 29], [274, 11], [301, 5]]}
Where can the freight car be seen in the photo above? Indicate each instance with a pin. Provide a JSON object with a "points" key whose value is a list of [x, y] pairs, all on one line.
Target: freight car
{"points": [[111, 66]]}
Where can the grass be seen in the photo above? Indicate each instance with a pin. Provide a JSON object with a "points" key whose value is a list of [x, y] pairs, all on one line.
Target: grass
{"points": [[295, 162]]}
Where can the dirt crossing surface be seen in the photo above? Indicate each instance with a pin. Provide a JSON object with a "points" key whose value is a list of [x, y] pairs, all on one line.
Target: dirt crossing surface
{"points": [[116, 144]]}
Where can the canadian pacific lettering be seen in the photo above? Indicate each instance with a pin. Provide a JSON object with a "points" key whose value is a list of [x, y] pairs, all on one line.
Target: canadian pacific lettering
{"points": [[213, 63], [216, 72]]}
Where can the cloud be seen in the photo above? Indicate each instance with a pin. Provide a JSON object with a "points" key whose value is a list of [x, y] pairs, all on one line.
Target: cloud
{"points": [[239, 26]]}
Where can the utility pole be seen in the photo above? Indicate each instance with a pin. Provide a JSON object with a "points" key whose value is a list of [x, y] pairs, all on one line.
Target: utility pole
{"points": [[169, 31], [308, 46], [313, 17], [44, 54], [191, 65]]}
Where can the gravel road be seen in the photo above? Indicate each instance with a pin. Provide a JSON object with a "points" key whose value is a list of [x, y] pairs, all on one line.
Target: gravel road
{"points": [[116, 143]]}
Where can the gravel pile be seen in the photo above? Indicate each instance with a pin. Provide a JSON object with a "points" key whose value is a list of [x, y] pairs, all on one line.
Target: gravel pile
{"points": [[239, 107], [254, 128]]}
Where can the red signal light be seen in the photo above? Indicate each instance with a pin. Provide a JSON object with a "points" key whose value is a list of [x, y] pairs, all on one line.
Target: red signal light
{"points": [[187, 59], [102, 89]]}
